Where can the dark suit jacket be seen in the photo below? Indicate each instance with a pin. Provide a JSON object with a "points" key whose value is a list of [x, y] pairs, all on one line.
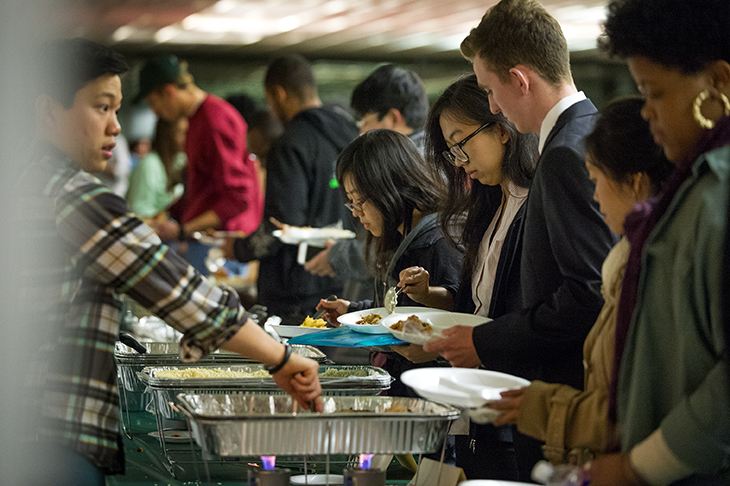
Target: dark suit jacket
{"points": [[565, 241]]}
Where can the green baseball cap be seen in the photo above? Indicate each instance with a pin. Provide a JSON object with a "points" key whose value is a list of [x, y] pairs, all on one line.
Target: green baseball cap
{"points": [[155, 72]]}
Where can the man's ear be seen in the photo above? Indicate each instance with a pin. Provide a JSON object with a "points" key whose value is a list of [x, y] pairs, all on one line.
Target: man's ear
{"points": [[279, 93], [46, 112], [395, 118], [519, 75]]}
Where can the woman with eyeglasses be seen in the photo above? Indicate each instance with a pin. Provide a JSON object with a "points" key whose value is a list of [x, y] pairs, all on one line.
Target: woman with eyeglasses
{"points": [[395, 194], [489, 166]]}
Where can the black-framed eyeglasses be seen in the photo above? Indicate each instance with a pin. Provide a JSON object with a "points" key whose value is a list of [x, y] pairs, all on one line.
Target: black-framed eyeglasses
{"points": [[356, 206], [456, 151]]}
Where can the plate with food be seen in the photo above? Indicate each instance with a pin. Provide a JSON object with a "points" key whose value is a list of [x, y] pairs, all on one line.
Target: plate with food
{"points": [[293, 235], [309, 325], [367, 323], [462, 387], [424, 325], [367, 320]]}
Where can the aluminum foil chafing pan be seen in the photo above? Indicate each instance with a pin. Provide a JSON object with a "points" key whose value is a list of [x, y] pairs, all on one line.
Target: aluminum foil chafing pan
{"points": [[249, 425], [165, 390], [130, 362]]}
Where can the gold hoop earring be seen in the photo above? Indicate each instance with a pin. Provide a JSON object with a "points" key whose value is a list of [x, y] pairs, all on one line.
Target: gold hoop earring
{"points": [[701, 98]]}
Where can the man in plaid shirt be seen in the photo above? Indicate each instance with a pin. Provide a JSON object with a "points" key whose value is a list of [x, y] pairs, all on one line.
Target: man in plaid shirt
{"points": [[98, 250]]}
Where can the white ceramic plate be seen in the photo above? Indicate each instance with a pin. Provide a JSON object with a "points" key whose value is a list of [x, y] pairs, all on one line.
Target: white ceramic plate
{"points": [[353, 317], [438, 320], [291, 331], [484, 385], [318, 479], [173, 435], [368, 328], [350, 319], [312, 236]]}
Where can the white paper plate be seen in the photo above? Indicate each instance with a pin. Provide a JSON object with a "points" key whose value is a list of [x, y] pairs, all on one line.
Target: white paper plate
{"points": [[353, 317], [318, 479], [312, 236], [428, 383], [439, 320], [173, 435], [291, 331]]}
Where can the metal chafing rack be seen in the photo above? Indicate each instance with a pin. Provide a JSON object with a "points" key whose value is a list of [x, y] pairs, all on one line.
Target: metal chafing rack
{"points": [[130, 362], [245, 425], [165, 390]]}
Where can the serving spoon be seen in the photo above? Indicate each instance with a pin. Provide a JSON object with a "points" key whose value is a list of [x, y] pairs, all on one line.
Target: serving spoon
{"points": [[391, 298]]}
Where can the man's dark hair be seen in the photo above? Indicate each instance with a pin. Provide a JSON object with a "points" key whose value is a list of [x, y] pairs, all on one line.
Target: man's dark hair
{"points": [[392, 87], [687, 36], [293, 73], [71, 64]]}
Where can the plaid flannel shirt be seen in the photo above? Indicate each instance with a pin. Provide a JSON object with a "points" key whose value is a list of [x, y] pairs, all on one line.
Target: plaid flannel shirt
{"points": [[94, 250]]}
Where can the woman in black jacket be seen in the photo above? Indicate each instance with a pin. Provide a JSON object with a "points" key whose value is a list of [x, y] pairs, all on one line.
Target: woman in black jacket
{"points": [[396, 194]]}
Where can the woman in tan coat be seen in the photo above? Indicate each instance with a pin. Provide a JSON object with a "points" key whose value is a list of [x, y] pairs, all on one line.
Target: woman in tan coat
{"points": [[627, 167]]}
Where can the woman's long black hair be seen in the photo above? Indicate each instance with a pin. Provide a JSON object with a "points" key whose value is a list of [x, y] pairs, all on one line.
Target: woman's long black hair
{"points": [[387, 170], [464, 101]]}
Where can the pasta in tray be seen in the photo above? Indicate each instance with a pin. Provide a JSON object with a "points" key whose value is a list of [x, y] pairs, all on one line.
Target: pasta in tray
{"points": [[210, 373], [221, 373]]}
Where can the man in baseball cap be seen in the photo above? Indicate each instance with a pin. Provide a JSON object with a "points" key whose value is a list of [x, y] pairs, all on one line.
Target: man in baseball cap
{"points": [[222, 189]]}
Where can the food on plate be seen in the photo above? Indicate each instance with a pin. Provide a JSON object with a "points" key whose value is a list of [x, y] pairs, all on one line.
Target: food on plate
{"points": [[335, 373], [309, 322], [210, 373], [370, 319], [413, 325]]}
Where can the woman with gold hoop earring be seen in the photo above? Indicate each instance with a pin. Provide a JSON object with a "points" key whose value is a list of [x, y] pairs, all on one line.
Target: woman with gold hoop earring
{"points": [[670, 388], [705, 95]]}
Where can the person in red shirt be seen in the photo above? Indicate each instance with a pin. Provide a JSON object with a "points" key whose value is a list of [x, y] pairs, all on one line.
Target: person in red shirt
{"points": [[222, 188]]}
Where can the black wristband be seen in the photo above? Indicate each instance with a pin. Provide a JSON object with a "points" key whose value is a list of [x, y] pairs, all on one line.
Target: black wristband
{"points": [[275, 368], [181, 236]]}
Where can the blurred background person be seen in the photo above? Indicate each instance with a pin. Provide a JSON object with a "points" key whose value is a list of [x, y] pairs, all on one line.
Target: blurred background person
{"points": [[156, 181], [263, 129], [301, 188], [139, 148], [222, 189]]}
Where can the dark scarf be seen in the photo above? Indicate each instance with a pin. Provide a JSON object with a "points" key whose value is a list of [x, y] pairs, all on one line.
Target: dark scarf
{"points": [[637, 228]]}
